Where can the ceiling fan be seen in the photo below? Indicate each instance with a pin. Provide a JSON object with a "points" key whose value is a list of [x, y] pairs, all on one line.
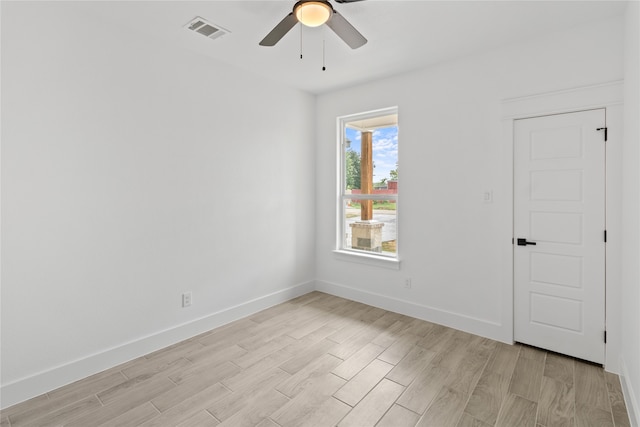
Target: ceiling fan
{"points": [[314, 13]]}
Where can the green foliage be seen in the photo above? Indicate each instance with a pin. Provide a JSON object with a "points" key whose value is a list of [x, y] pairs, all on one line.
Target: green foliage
{"points": [[377, 204], [352, 160], [385, 205], [394, 174]]}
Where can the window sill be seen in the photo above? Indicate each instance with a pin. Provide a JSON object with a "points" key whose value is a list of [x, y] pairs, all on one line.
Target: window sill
{"points": [[361, 258]]}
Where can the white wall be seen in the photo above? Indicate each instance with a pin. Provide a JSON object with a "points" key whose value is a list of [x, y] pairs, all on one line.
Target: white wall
{"points": [[132, 172], [451, 147], [630, 362]]}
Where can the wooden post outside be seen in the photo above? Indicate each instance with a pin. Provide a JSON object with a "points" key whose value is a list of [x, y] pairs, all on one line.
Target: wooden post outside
{"points": [[366, 175]]}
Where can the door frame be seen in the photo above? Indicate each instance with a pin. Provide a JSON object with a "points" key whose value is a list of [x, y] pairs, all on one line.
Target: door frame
{"points": [[610, 97]]}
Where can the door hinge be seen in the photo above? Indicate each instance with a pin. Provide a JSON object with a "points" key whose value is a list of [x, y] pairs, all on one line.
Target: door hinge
{"points": [[605, 236], [605, 133], [605, 337]]}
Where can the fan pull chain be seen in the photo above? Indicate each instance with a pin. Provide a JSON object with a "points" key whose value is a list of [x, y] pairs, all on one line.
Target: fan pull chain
{"points": [[324, 68], [300, 41]]}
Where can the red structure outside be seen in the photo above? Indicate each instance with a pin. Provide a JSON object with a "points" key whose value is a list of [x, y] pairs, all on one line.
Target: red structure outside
{"points": [[392, 188]]}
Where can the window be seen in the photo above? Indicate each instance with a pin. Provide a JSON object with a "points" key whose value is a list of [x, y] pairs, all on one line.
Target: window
{"points": [[368, 199]]}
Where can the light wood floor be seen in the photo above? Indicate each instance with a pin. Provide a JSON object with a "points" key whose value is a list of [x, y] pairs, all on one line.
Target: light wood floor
{"points": [[319, 360]]}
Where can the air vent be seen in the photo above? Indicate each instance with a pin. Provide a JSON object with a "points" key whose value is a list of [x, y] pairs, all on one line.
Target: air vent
{"points": [[205, 28]]}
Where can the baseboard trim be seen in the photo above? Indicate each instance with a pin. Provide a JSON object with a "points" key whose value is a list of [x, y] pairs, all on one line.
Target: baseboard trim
{"points": [[458, 321], [633, 408], [43, 382]]}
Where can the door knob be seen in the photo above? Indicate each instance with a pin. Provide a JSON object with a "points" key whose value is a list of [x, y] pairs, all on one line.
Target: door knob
{"points": [[524, 242]]}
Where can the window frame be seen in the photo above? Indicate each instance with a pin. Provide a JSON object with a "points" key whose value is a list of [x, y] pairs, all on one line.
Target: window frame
{"points": [[341, 251]]}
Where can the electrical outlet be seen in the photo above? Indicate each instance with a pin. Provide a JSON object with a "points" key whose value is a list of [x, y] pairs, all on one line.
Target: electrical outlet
{"points": [[186, 299], [407, 283]]}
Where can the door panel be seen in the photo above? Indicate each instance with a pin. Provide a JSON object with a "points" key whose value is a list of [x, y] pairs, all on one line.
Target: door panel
{"points": [[556, 312], [554, 269], [556, 185], [556, 227], [559, 204]]}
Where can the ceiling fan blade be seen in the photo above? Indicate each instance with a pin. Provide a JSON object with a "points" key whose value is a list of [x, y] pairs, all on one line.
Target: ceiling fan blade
{"points": [[280, 30], [346, 31], [347, 1]]}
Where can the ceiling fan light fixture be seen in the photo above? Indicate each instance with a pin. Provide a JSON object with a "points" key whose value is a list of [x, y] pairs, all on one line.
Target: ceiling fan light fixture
{"points": [[313, 13]]}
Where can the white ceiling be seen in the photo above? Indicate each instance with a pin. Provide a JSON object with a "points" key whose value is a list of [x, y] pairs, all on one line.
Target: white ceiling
{"points": [[402, 35]]}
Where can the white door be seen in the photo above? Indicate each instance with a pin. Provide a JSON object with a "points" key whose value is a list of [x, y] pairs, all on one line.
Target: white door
{"points": [[559, 233]]}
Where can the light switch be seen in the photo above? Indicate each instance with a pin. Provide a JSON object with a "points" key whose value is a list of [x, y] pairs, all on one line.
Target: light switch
{"points": [[487, 196]]}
